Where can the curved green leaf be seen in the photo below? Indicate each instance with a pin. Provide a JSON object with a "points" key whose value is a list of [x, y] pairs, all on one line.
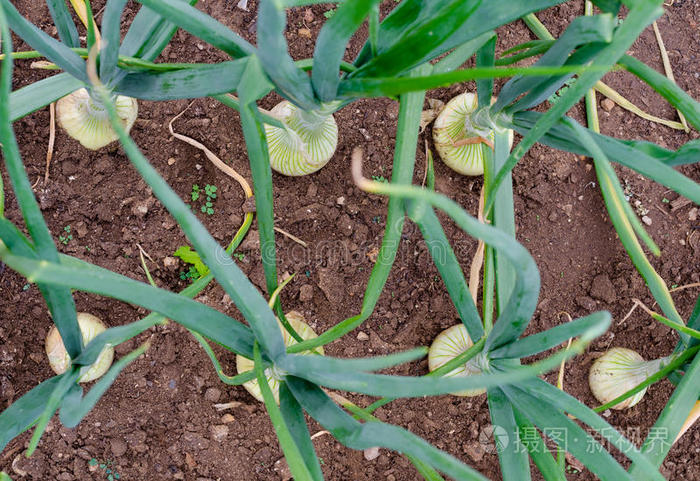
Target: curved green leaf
{"points": [[51, 48], [331, 44], [362, 436], [194, 82]]}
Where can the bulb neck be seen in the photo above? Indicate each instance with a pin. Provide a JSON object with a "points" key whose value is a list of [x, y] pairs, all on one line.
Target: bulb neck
{"points": [[483, 121], [95, 106], [315, 119]]}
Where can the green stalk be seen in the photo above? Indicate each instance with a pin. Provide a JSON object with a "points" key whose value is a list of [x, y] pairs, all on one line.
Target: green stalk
{"points": [[537, 27], [2, 197], [411, 105], [59, 299]]}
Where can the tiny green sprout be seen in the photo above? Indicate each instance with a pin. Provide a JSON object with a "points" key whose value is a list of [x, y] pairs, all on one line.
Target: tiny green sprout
{"points": [[665, 200], [379, 178], [538, 217], [66, 237], [26, 287], [673, 286], [329, 13], [194, 195], [110, 473], [87, 249], [377, 219], [239, 255]]}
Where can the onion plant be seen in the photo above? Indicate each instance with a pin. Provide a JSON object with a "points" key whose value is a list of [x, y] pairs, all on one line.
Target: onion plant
{"points": [[395, 62], [125, 67]]}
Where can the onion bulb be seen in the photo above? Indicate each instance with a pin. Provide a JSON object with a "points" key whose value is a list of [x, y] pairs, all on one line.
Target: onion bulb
{"points": [[305, 145], [86, 120], [449, 344], [458, 140], [273, 374], [616, 372], [90, 327]]}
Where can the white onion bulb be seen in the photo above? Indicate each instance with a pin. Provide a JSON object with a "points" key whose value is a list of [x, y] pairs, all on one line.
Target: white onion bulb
{"points": [[306, 145], [616, 372], [453, 129], [449, 344], [87, 121], [273, 374], [90, 327]]}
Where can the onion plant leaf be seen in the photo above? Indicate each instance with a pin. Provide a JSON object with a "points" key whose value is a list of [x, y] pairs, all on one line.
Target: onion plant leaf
{"points": [[24, 412], [362, 436], [331, 45], [57, 52], [187, 17], [75, 407], [65, 26], [197, 81], [58, 299], [39, 94], [193, 315], [437, 22], [448, 266], [292, 82]]}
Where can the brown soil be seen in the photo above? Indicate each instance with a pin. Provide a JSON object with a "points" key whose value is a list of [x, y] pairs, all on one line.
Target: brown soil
{"points": [[158, 420]]}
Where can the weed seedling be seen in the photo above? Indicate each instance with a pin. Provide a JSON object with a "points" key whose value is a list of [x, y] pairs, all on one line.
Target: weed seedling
{"points": [[66, 237], [109, 472], [194, 195], [239, 255], [210, 192], [379, 178], [329, 13]]}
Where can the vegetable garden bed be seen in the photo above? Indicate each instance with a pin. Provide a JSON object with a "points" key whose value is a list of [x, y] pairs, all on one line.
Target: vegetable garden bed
{"points": [[159, 420]]}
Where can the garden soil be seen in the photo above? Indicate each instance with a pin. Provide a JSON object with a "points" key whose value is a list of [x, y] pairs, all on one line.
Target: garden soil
{"points": [[158, 421]]}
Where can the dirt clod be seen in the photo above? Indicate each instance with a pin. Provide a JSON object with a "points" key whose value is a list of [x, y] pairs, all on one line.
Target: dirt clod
{"points": [[603, 289], [607, 105]]}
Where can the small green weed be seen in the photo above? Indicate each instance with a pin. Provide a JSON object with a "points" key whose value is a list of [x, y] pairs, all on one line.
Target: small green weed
{"points": [[207, 197], [239, 255], [329, 13], [66, 237], [194, 195], [379, 178], [109, 472], [210, 192]]}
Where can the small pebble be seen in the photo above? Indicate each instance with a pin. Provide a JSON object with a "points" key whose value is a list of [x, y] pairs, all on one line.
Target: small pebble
{"points": [[371, 453], [306, 293], [607, 105], [227, 418], [218, 432], [118, 447], [171, 161], [212, 394], [340, 200], [693, 214], [646, 219], [362, 336]]}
